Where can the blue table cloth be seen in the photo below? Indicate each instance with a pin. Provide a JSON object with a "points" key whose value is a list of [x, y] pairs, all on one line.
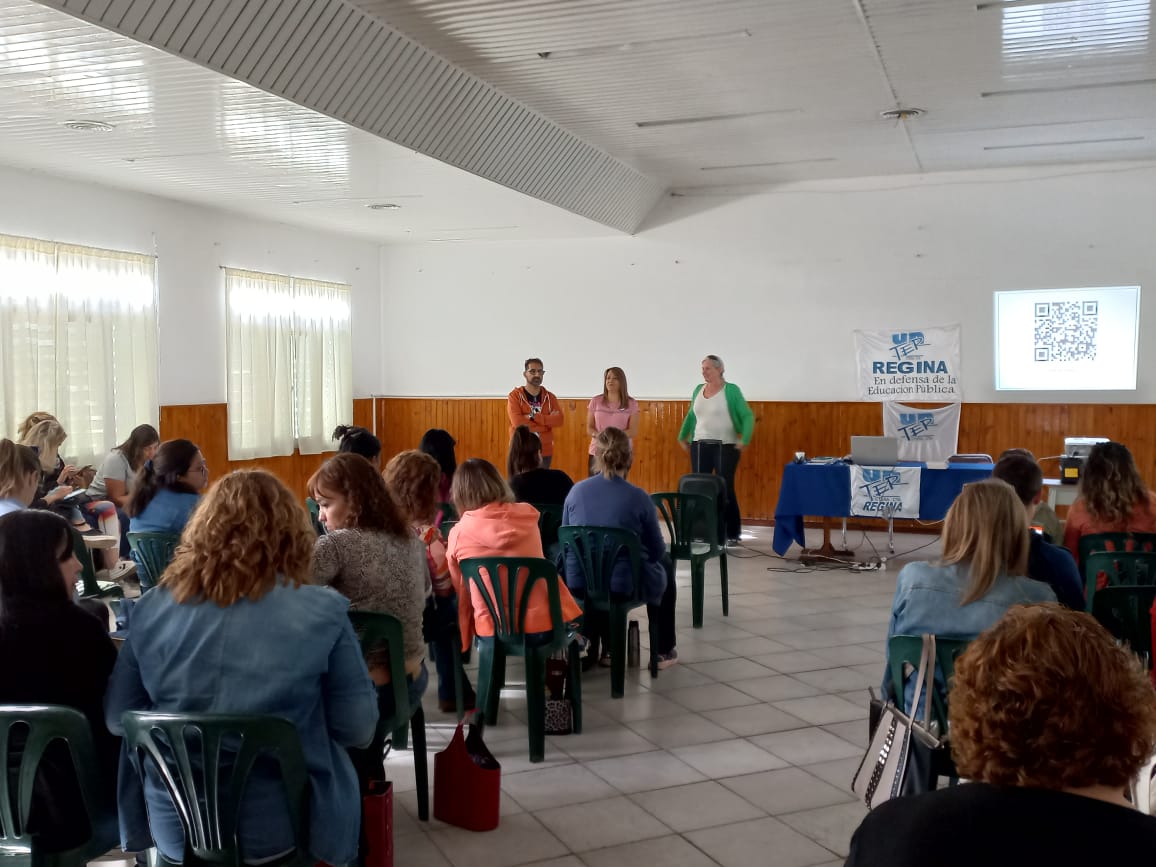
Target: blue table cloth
{"points": [[824, 490]]}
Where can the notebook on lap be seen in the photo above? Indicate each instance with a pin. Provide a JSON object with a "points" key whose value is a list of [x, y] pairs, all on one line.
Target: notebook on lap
{"points": [[875, 451]]}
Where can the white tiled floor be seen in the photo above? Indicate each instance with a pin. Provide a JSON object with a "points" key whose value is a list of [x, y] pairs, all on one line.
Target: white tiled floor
{"points": [[742, 754]]}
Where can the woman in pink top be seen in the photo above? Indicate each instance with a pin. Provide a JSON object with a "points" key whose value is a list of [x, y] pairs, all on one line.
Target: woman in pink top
{"points": [[493, 525], [613, 408], [1113, 498]]}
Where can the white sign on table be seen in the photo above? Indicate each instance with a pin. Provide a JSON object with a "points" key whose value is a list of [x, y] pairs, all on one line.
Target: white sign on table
{"points": [[885, 492]]}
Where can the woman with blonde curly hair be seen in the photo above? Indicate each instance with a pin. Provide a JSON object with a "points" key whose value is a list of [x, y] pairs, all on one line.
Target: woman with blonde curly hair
{"points": [[1050, 721], [1113, 497], [233, 627], [412, 477]]}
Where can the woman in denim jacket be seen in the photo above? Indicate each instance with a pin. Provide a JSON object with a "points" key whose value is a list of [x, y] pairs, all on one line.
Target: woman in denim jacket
{"points": [[978, 578], [234, 628]]}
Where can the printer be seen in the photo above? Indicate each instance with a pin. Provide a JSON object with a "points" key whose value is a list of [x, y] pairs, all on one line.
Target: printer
{"points": [[1076, 450]]}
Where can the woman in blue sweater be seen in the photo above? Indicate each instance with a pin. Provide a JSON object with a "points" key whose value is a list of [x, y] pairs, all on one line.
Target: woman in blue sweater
{"points": [[168, 488], [608, 500]]}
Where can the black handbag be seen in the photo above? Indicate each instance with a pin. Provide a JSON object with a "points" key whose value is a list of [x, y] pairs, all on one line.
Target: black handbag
{"points": [[904, 756]]}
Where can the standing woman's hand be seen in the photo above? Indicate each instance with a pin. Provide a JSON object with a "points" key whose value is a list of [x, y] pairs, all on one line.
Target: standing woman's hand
{"points": [[685, 446]]}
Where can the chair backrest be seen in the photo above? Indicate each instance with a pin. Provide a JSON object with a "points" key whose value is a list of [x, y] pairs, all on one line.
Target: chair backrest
{"points": [[37, 726], [448, 513], [315, 515], [549, 520], [155, 552], [1126, 611], [88, 582], [375, 629], [708, 485], [684, 514], [1117, 569], [505, 584], [977, 458], [445, 526], [906, 649], [597, 550], [1096, 542], [203, 761]]}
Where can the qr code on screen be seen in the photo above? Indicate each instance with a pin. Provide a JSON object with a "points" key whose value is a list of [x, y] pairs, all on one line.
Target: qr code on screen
{"points": [[1066, 330]]}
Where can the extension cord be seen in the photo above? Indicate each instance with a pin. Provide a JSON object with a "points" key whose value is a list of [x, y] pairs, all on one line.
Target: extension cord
{"points": [[878, 566]]}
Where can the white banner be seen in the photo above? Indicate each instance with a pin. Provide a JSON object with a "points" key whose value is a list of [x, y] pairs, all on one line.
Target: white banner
{"points": [[908, 365], [885, 492], [927, 435]]}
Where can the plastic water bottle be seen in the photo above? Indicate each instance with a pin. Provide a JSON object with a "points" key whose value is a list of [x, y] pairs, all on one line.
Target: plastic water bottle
{"points": [[633, 645]]}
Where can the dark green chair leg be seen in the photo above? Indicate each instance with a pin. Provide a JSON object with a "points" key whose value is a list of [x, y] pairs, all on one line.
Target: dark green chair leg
{"points": [[697, 591], [617, 651], [459, 682], [400, 737], [726, 600], [536, 704], [491, 677], [653, 630], [576, 685], [420, 764]]}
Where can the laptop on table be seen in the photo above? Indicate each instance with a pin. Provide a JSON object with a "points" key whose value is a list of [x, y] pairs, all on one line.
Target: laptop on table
{"points": [[874, 451]]}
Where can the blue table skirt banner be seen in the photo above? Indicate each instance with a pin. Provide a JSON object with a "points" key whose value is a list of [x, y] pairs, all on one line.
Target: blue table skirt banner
{"points": [[824, 490]]}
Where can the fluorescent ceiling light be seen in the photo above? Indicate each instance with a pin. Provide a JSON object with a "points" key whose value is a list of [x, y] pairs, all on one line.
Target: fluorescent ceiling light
{"points": [[712, 118], [767, 165], [1057, 144], [644, 45], [1063, 88], [1060, 31]]}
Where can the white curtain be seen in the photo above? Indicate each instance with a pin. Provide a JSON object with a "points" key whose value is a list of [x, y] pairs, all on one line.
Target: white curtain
{"points": [[290, 363], [80, 341], [324, 362]]}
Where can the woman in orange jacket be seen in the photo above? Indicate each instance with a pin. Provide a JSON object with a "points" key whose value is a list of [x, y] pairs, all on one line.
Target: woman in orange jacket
{"points": [[493, 525]]}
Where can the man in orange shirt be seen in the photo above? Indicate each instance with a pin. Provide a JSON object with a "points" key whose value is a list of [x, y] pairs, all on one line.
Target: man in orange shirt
{"points": [[535, 407]]}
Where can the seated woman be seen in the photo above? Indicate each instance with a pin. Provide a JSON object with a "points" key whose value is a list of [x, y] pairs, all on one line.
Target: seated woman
{"points": [[234, 627], [358, 440], [1025, 696], [1113, 498], [439, 445], [979, 576], [114, 480], [529, 480], [370, 556], [56, 653], [59, 480], [19, 476], [493, 525], [608, 500], [167, 489], [412, 478]]}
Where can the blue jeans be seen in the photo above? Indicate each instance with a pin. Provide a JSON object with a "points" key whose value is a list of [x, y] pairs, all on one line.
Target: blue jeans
{"points": [[445, 634]]}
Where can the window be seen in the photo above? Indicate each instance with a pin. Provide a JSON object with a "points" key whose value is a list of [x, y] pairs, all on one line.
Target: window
{"points": [[1066, 31], [79, 341], [290, 360]]}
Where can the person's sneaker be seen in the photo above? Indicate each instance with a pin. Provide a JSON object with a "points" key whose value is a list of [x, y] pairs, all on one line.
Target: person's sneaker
{"points": [[122, 570], [604, 660], [666, 660]]}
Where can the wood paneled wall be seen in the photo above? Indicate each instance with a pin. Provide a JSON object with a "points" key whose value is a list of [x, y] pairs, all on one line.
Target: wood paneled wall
{"points": [[208, 426], [481, 429]]}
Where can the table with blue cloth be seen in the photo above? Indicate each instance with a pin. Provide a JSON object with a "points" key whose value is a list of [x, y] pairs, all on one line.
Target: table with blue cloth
{"points": [[824, 490]]}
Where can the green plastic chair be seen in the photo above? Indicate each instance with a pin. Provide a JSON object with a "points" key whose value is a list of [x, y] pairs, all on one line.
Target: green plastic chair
{"points": [[1098, 542], [154, 552], [315, 515], [597, 550], [181, 747], [692, 525], [907, 649], [449, 513], [1117, 569], [373, 630], [90, 588], [445, 527], [43, 725], [549, 521], [1125, 611], [507, 608]]}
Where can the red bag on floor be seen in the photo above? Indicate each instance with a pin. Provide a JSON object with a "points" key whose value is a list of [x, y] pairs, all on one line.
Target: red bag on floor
{"points": [[467, 783], [377, 814]]}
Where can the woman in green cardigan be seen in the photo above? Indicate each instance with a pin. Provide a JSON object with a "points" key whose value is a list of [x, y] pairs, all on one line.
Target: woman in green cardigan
{"points": [[716, 431]]}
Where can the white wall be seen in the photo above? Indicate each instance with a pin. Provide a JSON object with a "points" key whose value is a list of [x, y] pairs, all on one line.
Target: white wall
{"points": [[774, 283], [191, 244]]}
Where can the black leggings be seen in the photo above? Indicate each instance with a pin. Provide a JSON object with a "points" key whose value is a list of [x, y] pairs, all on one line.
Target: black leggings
{"points": [[722, 459]]}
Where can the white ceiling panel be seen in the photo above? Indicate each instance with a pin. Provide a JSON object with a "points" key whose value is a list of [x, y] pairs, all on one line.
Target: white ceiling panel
{"points": [[185, 132]]}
